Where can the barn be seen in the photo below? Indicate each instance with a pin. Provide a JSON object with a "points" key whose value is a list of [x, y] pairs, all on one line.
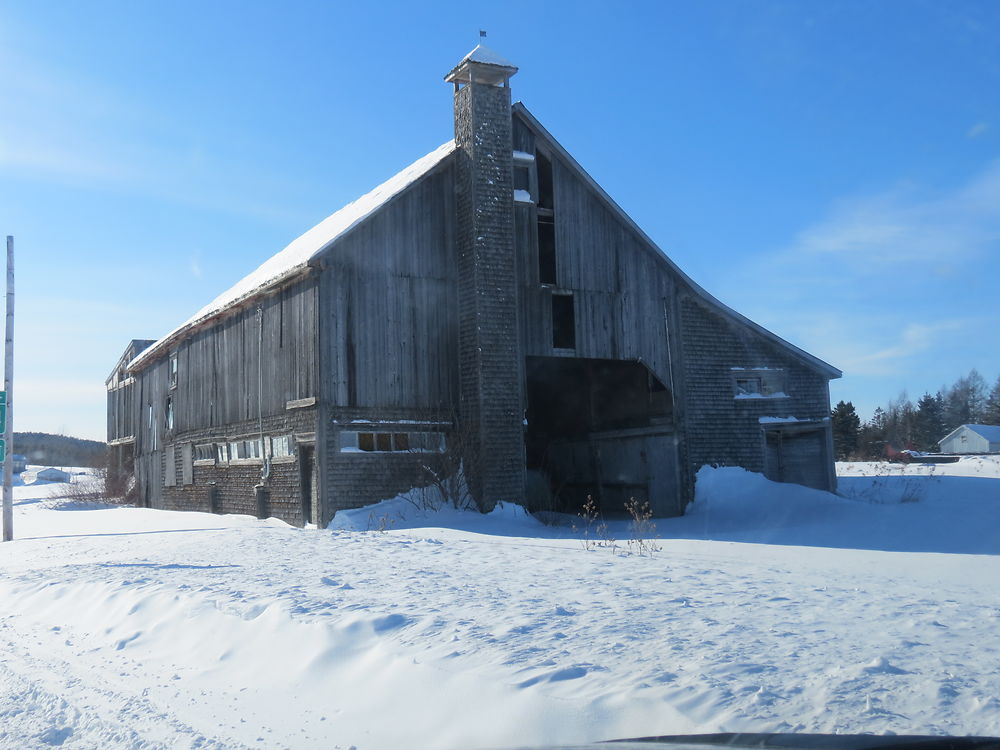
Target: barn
{"points": [[972, 438], [490, 309]]}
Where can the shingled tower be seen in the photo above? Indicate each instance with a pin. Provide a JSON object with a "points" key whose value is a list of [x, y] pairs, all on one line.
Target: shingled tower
{"points": [[491, 403]]}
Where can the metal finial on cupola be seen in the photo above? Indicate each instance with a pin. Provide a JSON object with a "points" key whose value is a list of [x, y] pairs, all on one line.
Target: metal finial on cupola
{"points": [[482, 65]]}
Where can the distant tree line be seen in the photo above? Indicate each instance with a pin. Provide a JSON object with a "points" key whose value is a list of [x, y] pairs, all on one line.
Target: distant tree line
{"points": [[59, 450], [919, 426]]}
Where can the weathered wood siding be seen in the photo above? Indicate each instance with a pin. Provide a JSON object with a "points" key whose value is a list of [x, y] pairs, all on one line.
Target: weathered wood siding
{"points": [[217, 381], [388, 320], [620, 289], [224, 371], [725, 430], [388, 337], [630, 304]]}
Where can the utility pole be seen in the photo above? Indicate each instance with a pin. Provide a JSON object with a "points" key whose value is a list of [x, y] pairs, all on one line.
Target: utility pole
{"points": [[7, 408]]}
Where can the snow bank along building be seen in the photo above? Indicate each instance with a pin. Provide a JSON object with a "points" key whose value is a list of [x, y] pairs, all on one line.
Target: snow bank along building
{"points": [[489, 300]]}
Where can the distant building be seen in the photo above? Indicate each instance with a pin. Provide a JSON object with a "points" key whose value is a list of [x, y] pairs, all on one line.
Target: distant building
{"points": [[19, 462], [972, 438], [52, 475], [490, 299]]}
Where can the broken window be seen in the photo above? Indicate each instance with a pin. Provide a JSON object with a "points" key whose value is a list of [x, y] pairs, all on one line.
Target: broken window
{"points": [[173, 370], [169, 413], [563, 322]]}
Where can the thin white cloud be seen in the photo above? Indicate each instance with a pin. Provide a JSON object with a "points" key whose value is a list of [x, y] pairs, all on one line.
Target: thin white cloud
{"points": [[913, 339], [885, 280], [977, 130], [904, 227]]}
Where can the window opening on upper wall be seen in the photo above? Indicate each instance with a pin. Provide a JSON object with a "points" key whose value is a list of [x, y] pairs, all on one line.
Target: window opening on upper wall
{"points": [[522, 178], [544, 167], [758, 382], [563, 322], [546, 250], [173, 370]]}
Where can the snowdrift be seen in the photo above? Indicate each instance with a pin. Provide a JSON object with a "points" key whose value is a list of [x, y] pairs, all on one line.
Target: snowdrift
{"points": [[890, 509]]}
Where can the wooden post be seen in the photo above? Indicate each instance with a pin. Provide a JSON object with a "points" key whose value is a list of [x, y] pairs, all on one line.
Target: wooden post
{"points": [[8, 384]]}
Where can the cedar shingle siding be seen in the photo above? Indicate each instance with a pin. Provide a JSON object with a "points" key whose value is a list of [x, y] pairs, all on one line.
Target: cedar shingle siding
{"points": [[561, 352]]}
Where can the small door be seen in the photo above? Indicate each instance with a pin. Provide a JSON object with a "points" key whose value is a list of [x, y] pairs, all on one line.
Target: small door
{"points": [[307, 479]]}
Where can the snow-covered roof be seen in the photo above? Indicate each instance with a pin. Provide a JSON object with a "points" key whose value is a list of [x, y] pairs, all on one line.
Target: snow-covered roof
{"points": [[297, 255], [496, 71], [483, 54], [989, 431]]}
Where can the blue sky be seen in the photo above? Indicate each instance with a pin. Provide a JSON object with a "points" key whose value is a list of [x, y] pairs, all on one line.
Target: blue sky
{"points": [[830, 169]]}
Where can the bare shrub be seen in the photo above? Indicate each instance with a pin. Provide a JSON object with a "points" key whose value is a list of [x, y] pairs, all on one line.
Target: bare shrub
{"points": [[642, 529], [104, 485], [889, 484], [594, 530], [380, 523]]}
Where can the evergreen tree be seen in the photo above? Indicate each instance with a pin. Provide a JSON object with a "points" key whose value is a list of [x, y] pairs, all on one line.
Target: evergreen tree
{"points": [[871, 439], [846, 424], [929, 426], [991, 412]]}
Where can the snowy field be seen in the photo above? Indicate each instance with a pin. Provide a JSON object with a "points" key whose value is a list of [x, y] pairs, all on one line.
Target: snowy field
{"points": [[768, 608]]}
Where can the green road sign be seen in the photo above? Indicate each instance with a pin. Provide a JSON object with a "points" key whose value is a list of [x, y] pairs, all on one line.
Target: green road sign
{"points": [[3, 450]]}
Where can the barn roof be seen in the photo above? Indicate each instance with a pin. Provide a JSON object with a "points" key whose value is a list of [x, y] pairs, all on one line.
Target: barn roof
{"points": [[298, 254], [989, 431]]}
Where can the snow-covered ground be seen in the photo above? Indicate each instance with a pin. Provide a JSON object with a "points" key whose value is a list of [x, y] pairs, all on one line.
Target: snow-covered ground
{"points": [[767, 608]]}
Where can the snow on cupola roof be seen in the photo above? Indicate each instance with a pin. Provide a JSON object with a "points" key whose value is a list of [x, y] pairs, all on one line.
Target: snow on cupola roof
{"points": [[483, 64], [483, 54]]}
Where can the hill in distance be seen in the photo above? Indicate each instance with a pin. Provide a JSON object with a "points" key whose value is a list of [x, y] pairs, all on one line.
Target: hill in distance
{"points": [[59, 450]]}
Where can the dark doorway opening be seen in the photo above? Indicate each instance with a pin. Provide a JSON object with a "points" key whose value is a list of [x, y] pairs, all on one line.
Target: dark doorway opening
{"points": [[601, 429], [307, 482]]}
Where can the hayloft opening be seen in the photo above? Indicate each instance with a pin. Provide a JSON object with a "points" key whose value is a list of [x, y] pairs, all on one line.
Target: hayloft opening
{"points": [[546, 250], [563, 322], [599, 428]]}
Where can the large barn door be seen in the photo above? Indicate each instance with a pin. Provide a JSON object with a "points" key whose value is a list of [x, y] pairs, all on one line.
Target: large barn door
{"points": [[797, 455]]}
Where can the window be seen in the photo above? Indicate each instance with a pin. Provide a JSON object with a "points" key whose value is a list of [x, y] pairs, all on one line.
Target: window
{"points": [[522, 178], [544, 167], [172, 368], [546, 250], [204, 452], [244, 450], [391, 442], [222, 453], [281, 446], [169, 413], [758, 382], [748, 386], [563, 322]]}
